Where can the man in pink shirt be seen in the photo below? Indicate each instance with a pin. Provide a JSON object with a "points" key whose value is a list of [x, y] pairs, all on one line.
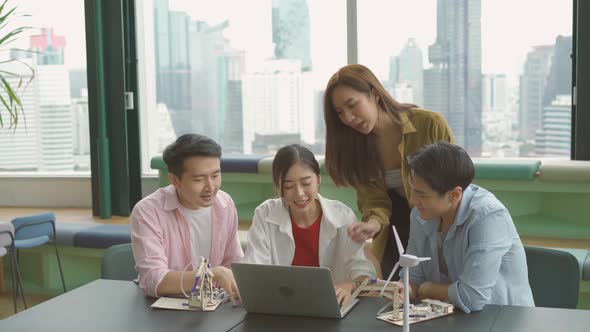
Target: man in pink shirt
{"points": [[176, 225]]}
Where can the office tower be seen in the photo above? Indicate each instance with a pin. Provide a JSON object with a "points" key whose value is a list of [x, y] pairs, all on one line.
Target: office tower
{"points": [[452, 85], [407, 68], [161, 48], [78, 83], [81, 128], [272, 101], [291, 32], [43, 140], [532, 90], [233, 131], [173, 72], [496, 114], [165, 130], [402, 92], [216, 74], [554, 137], [559, 80], [19, 148], [54, 105], [320, 123], [48, 48], [55, 118]]}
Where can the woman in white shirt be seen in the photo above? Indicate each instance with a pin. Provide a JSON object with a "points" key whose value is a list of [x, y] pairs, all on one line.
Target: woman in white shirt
{"points": [[305, 229]]}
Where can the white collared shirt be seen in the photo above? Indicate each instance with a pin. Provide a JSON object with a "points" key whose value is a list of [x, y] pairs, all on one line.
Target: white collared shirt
{"points": [[270, 240]]}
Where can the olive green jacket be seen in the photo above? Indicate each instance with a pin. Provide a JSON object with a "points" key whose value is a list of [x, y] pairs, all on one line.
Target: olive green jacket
{"points": [[420, 127]]}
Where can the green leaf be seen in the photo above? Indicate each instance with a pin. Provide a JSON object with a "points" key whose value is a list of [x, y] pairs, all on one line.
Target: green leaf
{"points": [[10, 102]]}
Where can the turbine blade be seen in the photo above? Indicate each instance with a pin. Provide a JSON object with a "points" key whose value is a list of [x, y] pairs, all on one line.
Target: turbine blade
{"points": [[423, 259], [389, 278], [400, 247]]}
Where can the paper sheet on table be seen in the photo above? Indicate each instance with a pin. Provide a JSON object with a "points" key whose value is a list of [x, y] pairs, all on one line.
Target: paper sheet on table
{"points": [[171, 303], [179, 304]]}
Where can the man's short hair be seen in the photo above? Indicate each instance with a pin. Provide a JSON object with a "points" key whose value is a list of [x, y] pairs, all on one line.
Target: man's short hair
{"points": [[187, 146], [443, 166]]}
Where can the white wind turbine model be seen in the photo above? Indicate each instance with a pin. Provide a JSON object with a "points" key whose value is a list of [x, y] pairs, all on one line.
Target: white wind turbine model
{"points": [[406, 261]]}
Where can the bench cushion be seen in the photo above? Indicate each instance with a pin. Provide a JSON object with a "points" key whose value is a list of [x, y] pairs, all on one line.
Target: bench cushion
{"points": [[506, 169], [240, 164], [102, 236], [571, 171], [66, 231]]}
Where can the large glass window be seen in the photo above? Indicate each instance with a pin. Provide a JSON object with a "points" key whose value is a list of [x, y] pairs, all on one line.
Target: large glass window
{"points": [[498, 70], [51, 135], [249, 74]]}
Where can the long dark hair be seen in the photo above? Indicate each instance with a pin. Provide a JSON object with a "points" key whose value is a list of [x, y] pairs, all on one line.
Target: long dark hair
{"points": [[351, 157], [286, 157]]}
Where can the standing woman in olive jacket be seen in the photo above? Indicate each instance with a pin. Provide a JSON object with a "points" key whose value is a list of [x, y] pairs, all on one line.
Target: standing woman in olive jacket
{"points": [[368, 138]]}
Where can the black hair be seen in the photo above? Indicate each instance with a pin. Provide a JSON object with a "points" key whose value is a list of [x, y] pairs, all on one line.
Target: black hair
{"points": [[443, 166], [286, 157], [187, 146]]}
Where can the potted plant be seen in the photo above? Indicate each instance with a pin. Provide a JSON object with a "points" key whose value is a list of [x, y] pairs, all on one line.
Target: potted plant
{"points": [[10, 102]]}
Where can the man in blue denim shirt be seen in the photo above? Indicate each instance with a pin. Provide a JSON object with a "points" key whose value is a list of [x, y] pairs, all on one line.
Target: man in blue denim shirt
{"points": [[476, 254]]}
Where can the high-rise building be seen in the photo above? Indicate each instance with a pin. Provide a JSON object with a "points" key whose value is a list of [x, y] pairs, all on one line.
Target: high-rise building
{"points": [[43, 140], [233, 64], [19, 148], [291, 32], [453, 85], [559, 80], [198, 76], [217, 71], [554, 137], [272, 101], [55, 118], [172, 60], [407, 68], [78, 83], [320, 124], [403, 92], [48, 48], [81, 128], [161, 48], [532, 90], [496, 114], [54, 104]]}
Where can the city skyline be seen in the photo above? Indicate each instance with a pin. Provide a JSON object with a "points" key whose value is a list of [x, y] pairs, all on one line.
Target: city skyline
{"points": [[499, 17], [200, 66]]}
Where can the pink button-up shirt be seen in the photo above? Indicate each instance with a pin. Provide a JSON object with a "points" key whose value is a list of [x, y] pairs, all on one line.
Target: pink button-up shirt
{"points": [[162, 242]]}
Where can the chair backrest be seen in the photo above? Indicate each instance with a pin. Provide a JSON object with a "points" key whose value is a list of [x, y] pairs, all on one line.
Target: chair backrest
{"points": [[6, 237], [554, 276], [118, 263], [34, 226]]}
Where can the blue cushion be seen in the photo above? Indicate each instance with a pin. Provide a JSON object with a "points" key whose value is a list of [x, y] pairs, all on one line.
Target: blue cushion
{"points": [[31, 243], [66, 231], [102, 236]]}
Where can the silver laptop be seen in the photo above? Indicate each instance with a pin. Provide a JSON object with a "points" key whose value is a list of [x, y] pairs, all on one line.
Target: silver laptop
{"points": [[288, 290]]}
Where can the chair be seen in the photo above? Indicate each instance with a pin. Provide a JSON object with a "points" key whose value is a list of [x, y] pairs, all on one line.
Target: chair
{"points": [[118, 263], [36, 230], [554, 276], [7, 241]]}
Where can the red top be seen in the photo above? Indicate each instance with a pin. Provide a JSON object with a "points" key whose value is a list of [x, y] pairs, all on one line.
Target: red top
{"points": [[307, 241]]}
